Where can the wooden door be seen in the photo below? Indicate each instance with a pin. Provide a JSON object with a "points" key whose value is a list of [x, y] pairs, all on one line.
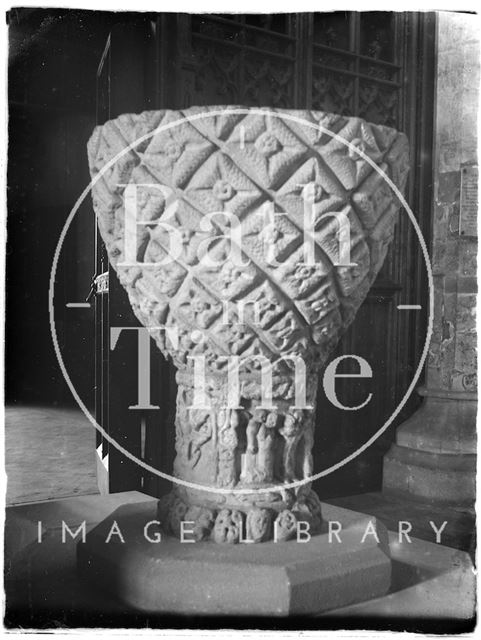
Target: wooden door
{"points": [[125, 84], [375, 65]]}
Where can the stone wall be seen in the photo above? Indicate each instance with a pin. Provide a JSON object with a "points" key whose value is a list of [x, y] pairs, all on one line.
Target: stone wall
{"points": [[434, 456], [452, 356]]}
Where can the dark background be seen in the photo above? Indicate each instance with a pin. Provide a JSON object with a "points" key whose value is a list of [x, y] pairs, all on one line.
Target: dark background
{"points": [[53, 58]]}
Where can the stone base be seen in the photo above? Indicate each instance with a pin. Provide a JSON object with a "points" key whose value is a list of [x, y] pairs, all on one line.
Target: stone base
{"points": [[434, 457], [430, 476], [285, 578], [228, 518]]}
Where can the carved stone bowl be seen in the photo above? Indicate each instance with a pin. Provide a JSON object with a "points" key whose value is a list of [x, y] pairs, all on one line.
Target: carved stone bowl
{"points": [[246, 240]]}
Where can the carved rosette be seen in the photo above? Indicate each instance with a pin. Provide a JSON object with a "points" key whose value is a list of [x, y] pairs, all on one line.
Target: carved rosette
{"points": [[236, 292]]}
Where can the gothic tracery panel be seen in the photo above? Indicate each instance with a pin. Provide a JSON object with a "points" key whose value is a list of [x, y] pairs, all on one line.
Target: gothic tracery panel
{"points": [[243, 59]]}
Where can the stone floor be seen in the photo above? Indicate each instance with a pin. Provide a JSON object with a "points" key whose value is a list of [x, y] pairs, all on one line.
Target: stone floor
{"points": [[459, 532], [49, 453]]}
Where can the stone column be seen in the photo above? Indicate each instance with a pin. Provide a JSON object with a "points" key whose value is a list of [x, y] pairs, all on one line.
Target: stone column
{"points": [[434, 454]]}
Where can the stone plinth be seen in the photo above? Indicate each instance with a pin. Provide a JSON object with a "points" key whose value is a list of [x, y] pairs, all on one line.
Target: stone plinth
{"points": [[434, 456], [246, 579]]}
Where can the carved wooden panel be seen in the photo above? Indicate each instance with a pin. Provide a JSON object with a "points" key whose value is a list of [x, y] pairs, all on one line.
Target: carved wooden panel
{"points": [[235, 60]]}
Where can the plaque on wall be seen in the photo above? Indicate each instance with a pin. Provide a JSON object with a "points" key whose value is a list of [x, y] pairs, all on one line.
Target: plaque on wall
{"points": [[468, 211]]}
